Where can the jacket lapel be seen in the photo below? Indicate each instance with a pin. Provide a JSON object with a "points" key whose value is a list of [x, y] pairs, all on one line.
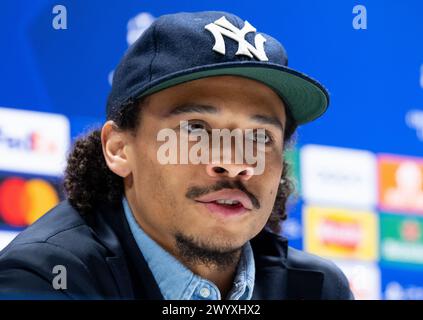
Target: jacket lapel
{"points": [[126, 262], [304, 284], [275, 279]]}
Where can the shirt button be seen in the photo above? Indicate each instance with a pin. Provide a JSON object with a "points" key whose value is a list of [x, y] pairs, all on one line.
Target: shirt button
{"points": [[205, 292]]}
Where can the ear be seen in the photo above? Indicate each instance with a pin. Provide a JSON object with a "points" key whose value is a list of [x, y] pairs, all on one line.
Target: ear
{"points": [[114, 143]]}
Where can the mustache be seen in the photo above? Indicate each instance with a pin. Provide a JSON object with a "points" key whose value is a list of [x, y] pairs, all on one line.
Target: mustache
{"points": [[195, 192]]}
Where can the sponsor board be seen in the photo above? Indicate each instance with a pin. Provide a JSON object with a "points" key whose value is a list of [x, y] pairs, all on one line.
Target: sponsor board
{"points": [[401, 283], [22, 201], [33, 142], [338, 176], [400, 184], [401, 238], [341, 233], [363, 277], [6, 237]]}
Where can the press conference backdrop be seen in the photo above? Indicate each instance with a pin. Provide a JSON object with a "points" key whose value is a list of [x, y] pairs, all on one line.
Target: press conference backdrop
{"points": [[358, 170]]}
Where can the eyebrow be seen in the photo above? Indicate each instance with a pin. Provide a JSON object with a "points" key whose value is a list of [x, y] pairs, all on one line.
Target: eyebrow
{"points": [[207, 109], [192, 108], [273, 121]]}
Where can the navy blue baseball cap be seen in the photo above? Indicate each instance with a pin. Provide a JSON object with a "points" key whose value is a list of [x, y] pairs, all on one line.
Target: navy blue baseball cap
{"points": [[186, 46]]}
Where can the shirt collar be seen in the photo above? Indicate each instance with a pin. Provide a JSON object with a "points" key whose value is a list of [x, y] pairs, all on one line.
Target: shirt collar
{"points": [[177, 282]]}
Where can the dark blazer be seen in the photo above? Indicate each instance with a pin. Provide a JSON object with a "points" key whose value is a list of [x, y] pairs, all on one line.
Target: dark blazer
{"points": [[103, 261]]}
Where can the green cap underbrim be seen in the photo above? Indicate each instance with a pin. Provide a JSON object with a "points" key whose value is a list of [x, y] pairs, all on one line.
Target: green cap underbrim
{"points": [[304, 96]]}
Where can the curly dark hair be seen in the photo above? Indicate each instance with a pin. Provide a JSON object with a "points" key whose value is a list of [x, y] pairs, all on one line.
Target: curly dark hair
{"points": [[89, 182]]}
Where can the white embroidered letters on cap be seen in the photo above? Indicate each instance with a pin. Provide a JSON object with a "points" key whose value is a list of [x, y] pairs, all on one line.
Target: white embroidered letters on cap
{"points": [[223, 27]]}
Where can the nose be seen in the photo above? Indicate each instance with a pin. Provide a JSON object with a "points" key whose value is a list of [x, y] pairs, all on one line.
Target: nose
{"points": [[244, 172]]}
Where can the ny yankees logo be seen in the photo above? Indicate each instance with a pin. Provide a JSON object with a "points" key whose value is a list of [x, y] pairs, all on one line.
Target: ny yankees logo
{"points": [[223, 27]]}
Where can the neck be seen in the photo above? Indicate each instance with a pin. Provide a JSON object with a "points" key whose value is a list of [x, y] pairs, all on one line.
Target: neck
{"points": [[222, 277]]}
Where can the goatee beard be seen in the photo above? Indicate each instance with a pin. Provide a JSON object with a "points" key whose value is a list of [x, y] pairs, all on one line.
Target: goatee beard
{"points": [[194, 252]]}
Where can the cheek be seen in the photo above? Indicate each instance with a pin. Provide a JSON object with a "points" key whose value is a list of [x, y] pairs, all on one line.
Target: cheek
{"points": [[149, 174], [161, 186], [271, 181]]}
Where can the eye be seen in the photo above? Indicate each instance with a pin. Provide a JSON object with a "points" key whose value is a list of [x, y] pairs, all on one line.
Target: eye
{"points": [[260, 136], [195, 126]]}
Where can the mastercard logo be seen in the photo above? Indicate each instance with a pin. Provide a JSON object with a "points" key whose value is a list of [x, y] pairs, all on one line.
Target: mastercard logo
{"points": [[24, 201]]}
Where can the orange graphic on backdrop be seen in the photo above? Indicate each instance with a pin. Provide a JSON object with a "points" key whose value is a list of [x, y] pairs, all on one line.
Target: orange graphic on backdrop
{"points": [[401, 184]]}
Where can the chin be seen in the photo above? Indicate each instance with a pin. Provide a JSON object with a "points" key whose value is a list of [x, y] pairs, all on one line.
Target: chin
{"points": [[222, 237]]}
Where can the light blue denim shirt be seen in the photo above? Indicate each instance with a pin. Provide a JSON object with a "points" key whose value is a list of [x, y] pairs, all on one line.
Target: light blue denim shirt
{"points": [[177, 282]]}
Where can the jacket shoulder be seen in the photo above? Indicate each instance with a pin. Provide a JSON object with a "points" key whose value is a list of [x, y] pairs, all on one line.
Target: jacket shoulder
{"points": [[60, 238], [60, 219], [335, 284]]}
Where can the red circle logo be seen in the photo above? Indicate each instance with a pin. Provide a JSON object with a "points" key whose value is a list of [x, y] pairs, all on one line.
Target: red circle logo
{"points": [[24, 201]]}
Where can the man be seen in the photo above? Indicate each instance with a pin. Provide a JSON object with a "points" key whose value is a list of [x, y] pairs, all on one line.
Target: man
{"points": [[137, 227]]}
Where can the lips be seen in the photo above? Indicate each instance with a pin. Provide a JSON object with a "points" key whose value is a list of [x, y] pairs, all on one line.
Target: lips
{"points": [[227, 195]]}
